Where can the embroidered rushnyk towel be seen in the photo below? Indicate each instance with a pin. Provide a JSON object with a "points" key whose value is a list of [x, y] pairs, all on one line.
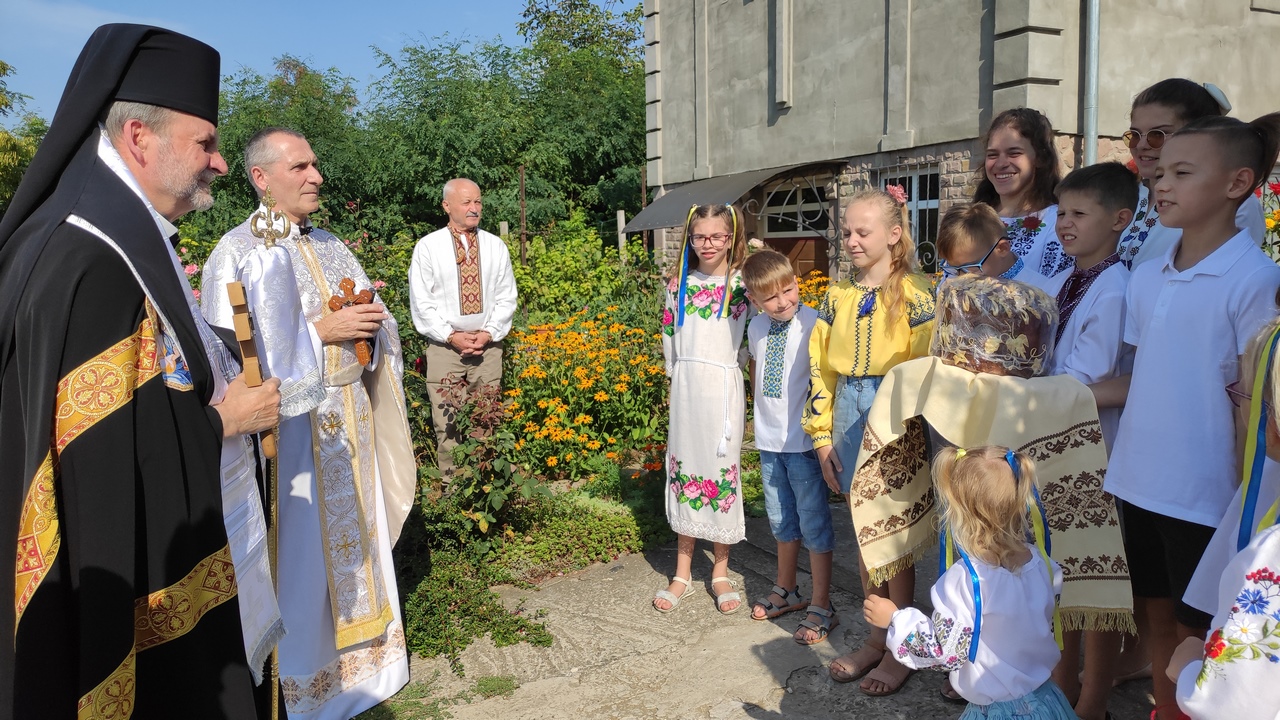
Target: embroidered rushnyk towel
{"points": [[1053, 420]]}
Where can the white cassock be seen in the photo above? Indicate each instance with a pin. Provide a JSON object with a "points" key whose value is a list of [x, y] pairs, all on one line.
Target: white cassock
{"points": [[344, 648]]}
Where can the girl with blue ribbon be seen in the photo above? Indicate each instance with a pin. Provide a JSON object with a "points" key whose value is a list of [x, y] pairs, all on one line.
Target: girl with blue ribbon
{"points": [[703, 326], [995, 625], [1235, 673]]}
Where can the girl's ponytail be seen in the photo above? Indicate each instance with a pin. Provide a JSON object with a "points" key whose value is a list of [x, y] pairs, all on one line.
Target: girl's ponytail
{"points": [[1268, 129]]}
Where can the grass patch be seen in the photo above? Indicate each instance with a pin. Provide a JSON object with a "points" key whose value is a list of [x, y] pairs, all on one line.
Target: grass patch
{"points": [[752, 485], [572, 530], [414, 702], [495, 685]]}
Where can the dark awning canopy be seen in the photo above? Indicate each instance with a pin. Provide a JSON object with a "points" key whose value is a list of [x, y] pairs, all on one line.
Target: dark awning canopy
{"points": [[671, 209]]}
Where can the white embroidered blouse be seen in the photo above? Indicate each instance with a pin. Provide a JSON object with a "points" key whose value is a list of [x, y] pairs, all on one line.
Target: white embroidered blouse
{"points": [[1239, 676], [1016, 648]]}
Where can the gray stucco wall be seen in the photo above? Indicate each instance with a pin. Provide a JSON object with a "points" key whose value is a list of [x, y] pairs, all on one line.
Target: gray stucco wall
{"points": [[870, 76]]}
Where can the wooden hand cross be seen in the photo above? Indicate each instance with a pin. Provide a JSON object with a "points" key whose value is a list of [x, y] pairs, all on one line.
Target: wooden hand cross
{"points": [[349, 297]]}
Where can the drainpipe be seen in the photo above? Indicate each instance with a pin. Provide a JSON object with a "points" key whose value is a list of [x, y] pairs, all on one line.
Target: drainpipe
{"points": [[1091, 84]]}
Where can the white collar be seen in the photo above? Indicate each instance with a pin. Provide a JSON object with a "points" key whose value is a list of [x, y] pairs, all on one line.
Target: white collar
{"points": [[107, 153]]}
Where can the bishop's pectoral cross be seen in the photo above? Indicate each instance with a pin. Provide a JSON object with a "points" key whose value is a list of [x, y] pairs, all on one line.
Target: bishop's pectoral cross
{"points": [[348, 298]]}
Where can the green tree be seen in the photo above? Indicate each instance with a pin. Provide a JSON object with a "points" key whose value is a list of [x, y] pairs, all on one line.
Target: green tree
{"points": [[17, 145]]}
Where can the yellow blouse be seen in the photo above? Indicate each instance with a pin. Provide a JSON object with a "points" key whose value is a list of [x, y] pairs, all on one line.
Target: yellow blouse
{"points": [[845, 342]]}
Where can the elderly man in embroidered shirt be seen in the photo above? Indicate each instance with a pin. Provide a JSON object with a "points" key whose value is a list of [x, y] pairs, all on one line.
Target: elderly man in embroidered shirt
{"points": [[463, 296], [345, 463]]}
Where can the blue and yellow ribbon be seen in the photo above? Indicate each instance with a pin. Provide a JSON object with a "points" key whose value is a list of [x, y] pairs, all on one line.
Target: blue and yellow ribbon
{"points": [[1255, 451]]}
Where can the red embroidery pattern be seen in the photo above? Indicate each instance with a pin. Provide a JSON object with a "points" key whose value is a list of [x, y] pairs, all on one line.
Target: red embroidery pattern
{"points": [[470, 292]]}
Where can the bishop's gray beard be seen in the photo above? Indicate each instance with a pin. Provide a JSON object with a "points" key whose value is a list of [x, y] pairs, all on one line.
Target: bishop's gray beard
{"points": [[193, 189]]}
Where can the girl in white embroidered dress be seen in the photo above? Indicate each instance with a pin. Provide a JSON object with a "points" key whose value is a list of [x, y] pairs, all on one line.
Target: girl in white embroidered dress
{"points": [[993, 617], [1236, 672], [1018, 178], [703, 325]]}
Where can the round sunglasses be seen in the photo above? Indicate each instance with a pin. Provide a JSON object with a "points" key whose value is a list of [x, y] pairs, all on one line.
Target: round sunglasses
{"points": [[1155, 138]]}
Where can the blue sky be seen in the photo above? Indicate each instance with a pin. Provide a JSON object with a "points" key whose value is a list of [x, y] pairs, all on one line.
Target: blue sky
{"points": [[41, 38]]}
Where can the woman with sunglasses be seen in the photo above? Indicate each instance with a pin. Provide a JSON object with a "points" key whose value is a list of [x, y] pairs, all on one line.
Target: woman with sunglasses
{"points": [[1158, 112]]}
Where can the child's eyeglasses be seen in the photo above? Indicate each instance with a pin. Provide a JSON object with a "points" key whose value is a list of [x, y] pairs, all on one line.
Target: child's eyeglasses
{"points": [[949, 270], [1239, 398], [1155, 138], [716, 240]]}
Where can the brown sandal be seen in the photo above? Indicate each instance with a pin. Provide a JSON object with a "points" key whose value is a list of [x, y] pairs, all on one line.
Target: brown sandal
{"points": [[858, 672], [881, 675]]}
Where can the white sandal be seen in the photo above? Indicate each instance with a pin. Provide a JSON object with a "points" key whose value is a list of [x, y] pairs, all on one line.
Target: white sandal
{"points": [[726, 597], [670, 596]]}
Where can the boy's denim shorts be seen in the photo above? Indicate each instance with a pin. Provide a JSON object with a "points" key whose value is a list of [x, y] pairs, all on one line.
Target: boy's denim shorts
{"points": [[795, 497]]}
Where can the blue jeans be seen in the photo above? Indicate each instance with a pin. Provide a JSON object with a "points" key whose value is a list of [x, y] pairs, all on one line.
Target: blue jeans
{"points": [[795, 497], [849, 420]]}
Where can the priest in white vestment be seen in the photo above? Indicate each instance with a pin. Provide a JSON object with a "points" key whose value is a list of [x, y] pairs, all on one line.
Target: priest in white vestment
{"points": [[345, 469]]}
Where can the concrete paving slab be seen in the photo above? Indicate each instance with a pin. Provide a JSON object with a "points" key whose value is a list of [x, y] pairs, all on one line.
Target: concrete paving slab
{"points": [[615, 657]]}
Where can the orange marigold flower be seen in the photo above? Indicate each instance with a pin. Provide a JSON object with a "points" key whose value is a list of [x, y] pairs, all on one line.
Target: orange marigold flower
{"points": [[513, 392], [601, 396], [593, 445], [568, 457], [611, 455], [612, 308], [582, 419], [610, 440], [624, 378], [551, 461], [620, 387]]}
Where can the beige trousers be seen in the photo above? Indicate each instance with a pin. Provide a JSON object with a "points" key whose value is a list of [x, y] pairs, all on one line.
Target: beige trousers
{"points": [[444, 361]]}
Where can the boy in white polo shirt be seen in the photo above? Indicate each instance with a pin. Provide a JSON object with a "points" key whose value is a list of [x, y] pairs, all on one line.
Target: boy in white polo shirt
{"points": [[795, 494], [1095, 205], [972, 239], [1190, 314]]}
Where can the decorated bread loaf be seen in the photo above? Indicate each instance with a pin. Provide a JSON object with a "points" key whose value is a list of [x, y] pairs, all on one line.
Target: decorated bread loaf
{"points": [[988, 325]]}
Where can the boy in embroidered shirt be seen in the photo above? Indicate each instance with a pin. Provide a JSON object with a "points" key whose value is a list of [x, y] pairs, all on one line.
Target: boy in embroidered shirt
{"points": [[973, 239], [794, 492], [1094, 207]]}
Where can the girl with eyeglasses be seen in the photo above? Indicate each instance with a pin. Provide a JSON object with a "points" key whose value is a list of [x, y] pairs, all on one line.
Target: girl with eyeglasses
{"points": [[1158, 112], [1017, 179], [995, 601], [703, 324], [866, 325]]}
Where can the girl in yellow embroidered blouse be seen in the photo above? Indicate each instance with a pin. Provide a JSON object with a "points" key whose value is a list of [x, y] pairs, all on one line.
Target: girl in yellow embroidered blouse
{"points": [[883, 317]]}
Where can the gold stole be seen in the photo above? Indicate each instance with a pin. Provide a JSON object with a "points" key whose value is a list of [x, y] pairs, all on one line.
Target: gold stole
{"points": [[343, 444], [470, 287]]}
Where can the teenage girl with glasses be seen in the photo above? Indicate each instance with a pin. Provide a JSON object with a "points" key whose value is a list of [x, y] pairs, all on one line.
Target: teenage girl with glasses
{"points": [[1158, 112]]}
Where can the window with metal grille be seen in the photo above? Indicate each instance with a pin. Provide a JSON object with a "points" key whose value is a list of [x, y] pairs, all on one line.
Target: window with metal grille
{"points": [[923, 184]]}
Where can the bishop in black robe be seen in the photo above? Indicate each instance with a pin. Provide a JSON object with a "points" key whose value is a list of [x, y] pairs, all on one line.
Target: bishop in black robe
{"points": [[125, 597]]}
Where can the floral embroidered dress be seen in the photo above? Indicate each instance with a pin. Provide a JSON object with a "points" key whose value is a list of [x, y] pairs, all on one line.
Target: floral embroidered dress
{"points": [[708, 406], [1016, 649], [1239, 676], [1034, 238]]}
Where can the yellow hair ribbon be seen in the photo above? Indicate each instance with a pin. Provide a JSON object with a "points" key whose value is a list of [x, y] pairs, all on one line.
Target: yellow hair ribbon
{"points": [[959, 453]]}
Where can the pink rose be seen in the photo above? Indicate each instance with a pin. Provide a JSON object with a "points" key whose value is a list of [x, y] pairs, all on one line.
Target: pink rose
{"points": [[674, 283], [702, 298], [732, 476], [718, 293], [727, 502], [667, 317], [182, 251], [196, 294], [378, 284], [675, 467], [710, 489], [191, 269], [693, 489], [675, 489]]}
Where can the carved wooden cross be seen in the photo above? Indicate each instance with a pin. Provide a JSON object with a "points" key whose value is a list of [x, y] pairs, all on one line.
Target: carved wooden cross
{"points": [[248, 351], [349, 297]]}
